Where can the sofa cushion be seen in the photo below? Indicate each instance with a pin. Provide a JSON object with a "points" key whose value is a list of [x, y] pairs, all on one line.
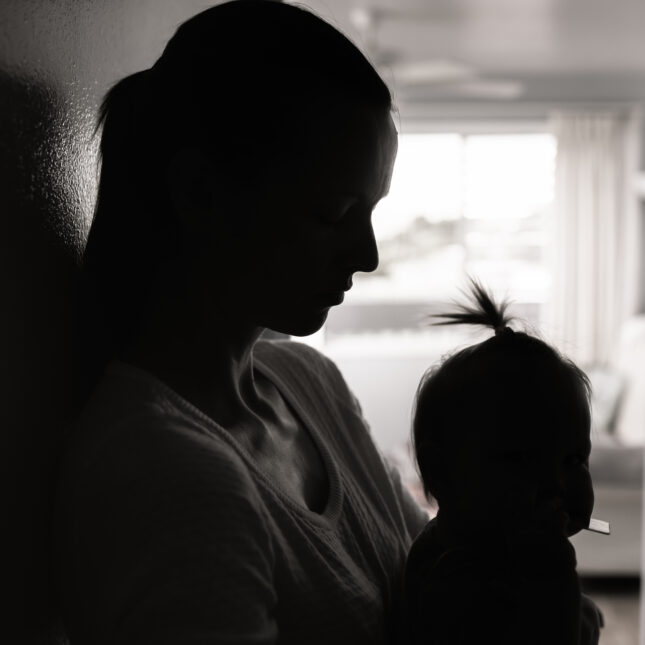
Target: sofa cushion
{"points": [[630, 362], [615, 464], [607, 387]]}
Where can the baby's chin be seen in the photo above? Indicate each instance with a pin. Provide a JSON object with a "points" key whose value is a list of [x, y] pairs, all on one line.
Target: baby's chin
{"points": [[576, 524], [545, 520], [562, 523]]}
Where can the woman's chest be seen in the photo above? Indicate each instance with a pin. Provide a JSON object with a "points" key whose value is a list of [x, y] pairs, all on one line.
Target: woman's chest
{"points": [[291, 459], [336, 580]]}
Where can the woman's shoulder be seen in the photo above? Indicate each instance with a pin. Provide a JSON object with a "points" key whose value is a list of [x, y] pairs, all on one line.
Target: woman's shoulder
{"points": [[151, 471], [134, 427]]}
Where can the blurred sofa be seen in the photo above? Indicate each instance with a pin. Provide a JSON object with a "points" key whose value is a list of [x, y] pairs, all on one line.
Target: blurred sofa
{"points": [[616, 464]]}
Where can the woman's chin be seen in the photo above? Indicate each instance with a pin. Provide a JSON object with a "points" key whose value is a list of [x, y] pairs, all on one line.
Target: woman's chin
{"points": [[301, 325]]}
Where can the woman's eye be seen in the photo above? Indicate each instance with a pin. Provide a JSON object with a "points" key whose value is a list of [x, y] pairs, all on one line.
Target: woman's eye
{"points": [[335, 213], [576, 460], [334, 217]]}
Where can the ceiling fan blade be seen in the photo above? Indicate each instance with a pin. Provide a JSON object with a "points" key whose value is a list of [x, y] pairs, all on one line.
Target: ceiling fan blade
{"points": [[430, 71], [444, 76], [501, 90]]}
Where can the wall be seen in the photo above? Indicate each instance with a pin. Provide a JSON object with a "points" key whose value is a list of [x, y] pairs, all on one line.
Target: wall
{"points": [[57, 58]]}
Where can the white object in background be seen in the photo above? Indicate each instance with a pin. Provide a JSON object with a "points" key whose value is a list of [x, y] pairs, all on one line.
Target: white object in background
{"points": [[630, 363], [639, 185], [598, 526]]}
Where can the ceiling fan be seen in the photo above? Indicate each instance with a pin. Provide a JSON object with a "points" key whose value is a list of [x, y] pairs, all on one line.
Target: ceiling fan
{"points": [[450, 76]]}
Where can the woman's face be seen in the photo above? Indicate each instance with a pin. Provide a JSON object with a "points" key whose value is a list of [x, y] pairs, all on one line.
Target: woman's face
{"points": [[301, 235]]}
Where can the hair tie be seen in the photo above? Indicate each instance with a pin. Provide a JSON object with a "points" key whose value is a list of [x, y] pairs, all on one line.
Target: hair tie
{"points": [[503, 329]]}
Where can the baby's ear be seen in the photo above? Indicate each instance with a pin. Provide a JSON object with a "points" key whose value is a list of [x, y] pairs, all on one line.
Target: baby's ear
{"points": [[431, 466]]}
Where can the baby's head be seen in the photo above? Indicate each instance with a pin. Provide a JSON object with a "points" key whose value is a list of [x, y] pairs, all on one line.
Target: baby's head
{"points": [[501, 429]]}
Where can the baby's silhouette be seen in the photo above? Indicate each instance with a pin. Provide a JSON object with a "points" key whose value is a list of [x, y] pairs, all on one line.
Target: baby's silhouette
{"points": [[501, 436]]}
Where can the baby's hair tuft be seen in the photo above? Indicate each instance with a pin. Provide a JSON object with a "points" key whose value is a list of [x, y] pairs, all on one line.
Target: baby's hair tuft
{"points": [[481, 310]]}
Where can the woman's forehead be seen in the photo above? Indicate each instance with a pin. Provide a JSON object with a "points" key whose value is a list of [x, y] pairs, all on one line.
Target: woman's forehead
{"points": [[357, 146]]}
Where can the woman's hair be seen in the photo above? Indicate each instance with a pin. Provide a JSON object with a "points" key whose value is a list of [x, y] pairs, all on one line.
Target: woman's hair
{"points": [[242, 82], [502, 382]]}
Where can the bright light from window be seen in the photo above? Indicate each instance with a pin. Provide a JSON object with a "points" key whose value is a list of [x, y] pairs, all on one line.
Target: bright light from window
{"points": [[427, 183], [458, 205], [508, 176]]}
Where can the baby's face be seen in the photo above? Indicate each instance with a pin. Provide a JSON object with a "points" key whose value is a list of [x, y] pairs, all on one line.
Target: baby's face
{"points": [[534, 475], [543, 483]]}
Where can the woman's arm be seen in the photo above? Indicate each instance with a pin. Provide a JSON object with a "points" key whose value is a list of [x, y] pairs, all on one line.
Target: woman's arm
{"points": [[174, 546]]}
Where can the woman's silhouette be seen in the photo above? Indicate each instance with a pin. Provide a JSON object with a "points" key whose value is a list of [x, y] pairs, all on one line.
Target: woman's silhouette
{"points": [[219, 488]]}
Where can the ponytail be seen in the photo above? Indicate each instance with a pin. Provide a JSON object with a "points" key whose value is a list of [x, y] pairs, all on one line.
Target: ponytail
{"points": [[126, 112], [133, 229]]}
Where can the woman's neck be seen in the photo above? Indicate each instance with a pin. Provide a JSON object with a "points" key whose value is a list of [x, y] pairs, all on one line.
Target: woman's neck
{"points": [[206, 359]]}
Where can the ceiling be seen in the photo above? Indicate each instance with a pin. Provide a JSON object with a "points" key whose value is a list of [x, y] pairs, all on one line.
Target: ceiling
{"points": [[500, 51]]}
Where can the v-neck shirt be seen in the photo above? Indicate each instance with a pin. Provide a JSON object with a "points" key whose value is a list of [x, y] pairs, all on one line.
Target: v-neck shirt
{"points": [[170, 532]]}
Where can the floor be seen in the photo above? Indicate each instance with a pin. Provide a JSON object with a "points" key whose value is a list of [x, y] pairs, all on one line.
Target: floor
{"points": [[619, 601]]}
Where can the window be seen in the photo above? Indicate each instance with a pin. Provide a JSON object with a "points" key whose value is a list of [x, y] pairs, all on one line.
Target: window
{"points": [[459, 204]]}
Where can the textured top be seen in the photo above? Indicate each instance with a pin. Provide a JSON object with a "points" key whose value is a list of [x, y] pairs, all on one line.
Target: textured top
{"points": [[169, 532]]}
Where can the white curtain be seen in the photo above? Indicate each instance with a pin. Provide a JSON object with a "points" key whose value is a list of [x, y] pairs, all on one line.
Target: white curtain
{"points": [[595, 233]]}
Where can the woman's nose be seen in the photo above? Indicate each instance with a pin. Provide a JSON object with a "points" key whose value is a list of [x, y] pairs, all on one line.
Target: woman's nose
{"points": [[364, 250]]}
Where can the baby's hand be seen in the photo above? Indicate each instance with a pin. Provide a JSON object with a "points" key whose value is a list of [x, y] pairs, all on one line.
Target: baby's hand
{"points": [[542, 566], [526, 591], [519, 514], [541, 553]]}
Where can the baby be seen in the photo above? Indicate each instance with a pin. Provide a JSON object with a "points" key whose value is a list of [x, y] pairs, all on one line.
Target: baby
{"points": [[501, 437]]}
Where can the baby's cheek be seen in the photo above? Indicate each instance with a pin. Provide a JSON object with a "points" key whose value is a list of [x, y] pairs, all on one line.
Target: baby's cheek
{"points": [[518, 506], [580, 500]]}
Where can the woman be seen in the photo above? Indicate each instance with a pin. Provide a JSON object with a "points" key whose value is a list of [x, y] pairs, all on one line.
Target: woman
{"points": [[220, 488]]}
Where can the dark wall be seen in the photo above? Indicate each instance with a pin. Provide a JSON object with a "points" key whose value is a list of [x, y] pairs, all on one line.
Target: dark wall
{"points": [[57, 58]]}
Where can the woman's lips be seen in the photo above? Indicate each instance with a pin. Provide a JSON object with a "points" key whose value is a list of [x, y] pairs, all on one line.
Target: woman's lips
{"points": [[332, 298]]}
